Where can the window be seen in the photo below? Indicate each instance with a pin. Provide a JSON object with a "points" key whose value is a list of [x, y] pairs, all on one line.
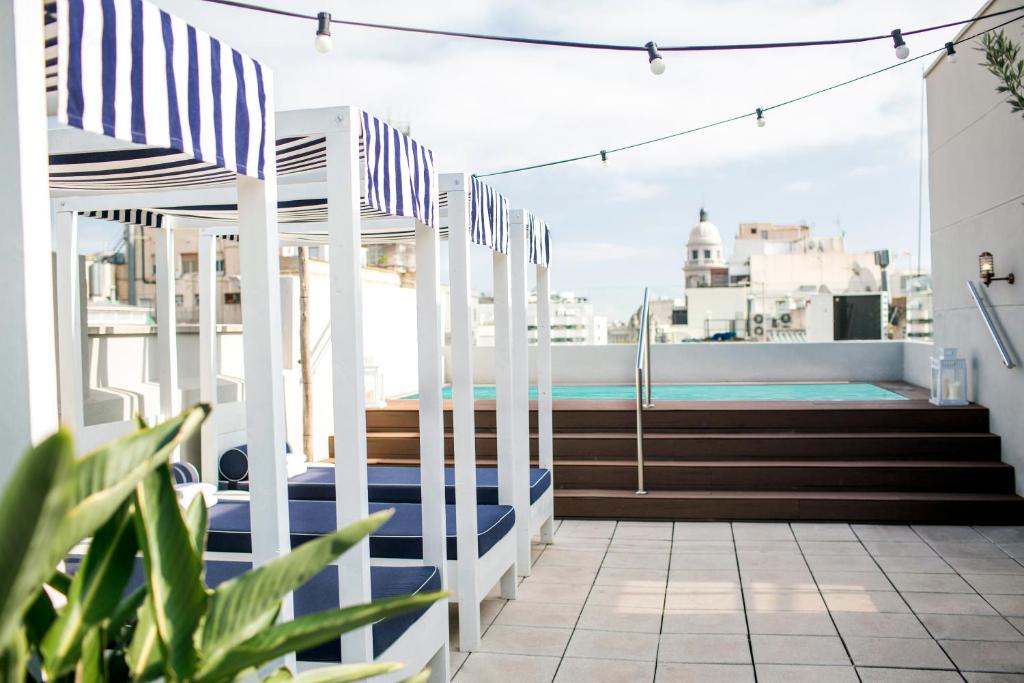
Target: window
{"points": [[679, 316], [232, 297], [695, 254], [195, 299], [707, 253], [179, 299], [189, 263], [220, 265]]}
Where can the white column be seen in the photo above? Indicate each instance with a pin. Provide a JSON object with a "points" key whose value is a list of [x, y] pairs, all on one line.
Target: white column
{"points": [[264, 383], [504, 422], [208, 352], [520, 387], [431, 406], [463, 418], [545, 430], [69, 322], [347, 368], [28, 374], [166, 321]]}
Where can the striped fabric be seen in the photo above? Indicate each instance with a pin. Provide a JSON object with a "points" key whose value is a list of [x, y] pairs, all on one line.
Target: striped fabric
{"points": [[128, 70], [488, 217], [538, 241], [399, 176]]}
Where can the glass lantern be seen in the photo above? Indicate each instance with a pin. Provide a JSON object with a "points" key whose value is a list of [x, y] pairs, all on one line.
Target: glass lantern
{"points": [[949, 379]]}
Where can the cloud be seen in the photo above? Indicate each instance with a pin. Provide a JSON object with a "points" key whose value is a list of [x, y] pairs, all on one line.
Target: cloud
{"points": [[798, 186], [869, 170], [626, 190]]}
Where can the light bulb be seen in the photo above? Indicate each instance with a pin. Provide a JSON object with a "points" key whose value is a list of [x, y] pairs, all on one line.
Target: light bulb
{"points": [[902, 52], [760, 119], [323, 40], [900, 45], [654, 57]]}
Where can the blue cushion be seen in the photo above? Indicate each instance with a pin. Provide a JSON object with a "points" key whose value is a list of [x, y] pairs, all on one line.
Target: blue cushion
{"points": [[233, 464], [184, 473], [321, 593], [400, 537], [388, 484]]}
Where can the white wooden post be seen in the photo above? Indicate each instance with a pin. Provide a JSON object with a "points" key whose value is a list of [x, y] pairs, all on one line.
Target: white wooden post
{"points": [[545, 431], [166, 322], [264, 383], [463, 418], [520, 387], [208, 353], [431, 406], [69, 323], [347, 368], [503, 408], [28, 377]]}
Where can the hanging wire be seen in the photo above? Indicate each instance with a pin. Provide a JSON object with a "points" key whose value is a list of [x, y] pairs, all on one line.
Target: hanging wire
{"points": [[731, 119], [550, 42]]}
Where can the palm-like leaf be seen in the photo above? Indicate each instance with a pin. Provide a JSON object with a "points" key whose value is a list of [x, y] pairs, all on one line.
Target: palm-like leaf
{"points": [[342, 673], [36, 499], [306, 632], [144, 657], [242, 607]]}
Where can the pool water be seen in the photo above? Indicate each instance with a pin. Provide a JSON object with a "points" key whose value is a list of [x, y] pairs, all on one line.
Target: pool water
{"points": [[710, 392]]}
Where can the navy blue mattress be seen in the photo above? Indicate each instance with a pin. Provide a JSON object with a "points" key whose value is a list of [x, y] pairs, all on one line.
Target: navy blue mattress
{"points": [[400, 537], [401, 484], [321, 593]]}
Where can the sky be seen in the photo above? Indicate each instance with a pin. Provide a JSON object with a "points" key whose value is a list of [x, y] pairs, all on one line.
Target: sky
{"points": [[845, 161]]}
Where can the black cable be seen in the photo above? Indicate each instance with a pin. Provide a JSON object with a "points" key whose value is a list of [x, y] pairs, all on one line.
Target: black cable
{"points": [[605, 46], [731, 119]]}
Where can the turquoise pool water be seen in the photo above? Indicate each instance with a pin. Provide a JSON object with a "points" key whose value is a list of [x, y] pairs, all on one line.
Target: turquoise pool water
{"points": [[712, 392]]}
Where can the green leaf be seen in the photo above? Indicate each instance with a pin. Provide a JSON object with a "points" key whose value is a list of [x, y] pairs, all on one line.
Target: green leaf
{"points": [[173, 570], [306, 632], [244, 606], [60, 582], [91, 668], [145, 661], [14, 660], [95, 592], [39, 618], [125, 609], [421, 677], [108, 475], [33, 505], [196, 519], [341, 673]]}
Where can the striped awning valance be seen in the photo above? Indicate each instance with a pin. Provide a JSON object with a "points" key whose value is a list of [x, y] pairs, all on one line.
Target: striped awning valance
{"points": [[538, 241], [128, 70], [399, 176], [488, 217]]}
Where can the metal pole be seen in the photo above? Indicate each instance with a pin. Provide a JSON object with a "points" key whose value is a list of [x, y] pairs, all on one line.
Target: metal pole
{"points": [[640, 432], [991, 325], [647, 359]]}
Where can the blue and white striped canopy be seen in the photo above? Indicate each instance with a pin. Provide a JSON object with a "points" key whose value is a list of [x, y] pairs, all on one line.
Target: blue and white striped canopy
{"points": [[538, 241], [128, 70], [488, 217], [399, 174]]}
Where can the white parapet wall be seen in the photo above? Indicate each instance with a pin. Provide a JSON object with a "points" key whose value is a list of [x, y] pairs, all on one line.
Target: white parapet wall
{"points": [[867, 361]]}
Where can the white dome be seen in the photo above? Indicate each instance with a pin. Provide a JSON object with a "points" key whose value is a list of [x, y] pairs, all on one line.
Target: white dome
{"points": [[704, 233]]}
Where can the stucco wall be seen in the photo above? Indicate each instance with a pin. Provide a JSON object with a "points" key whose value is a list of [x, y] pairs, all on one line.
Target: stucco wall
{"points": [[976, 175]]}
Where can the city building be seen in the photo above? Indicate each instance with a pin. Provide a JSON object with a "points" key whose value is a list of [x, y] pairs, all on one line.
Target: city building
{"points": [[572, 320]]}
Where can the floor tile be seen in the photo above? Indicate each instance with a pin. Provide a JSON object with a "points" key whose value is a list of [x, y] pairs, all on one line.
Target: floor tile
{"points": [[839, 563], [578, 670], [865, 601], [970, 627], [761, 531], [767, 546], [942, 534], [852, 581], [703, 561], [882, 675], [681, 621], [646, 531], [976, 677], [847, 548], [704, 649], [986, 565], [456, 659], [563, 574], [726, 601], [483, 667], [672, 672], [490, 608], [775, 649], [884, 532], [900, 549], [823, 532], [791, 623], [635, 596], [538, 591], [947, 603], [620, 618], [703, 547], [525, 640], [613, 645], [997, 584], [783, 562], [973, 549], [915, 565], [639, 546], [1002, 534], [886, 625], [702, 531], [971, 655], [1014, 550], [929, 583], [637, 560], [625, 576], [556, 615], [1007, 605], [914, 653], [788, 673], [767, 580], [571, 558], [703, 581], [784, 601]]}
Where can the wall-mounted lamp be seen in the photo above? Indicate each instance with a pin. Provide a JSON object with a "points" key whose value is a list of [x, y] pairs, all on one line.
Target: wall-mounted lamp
{"points": [[987, 270]]}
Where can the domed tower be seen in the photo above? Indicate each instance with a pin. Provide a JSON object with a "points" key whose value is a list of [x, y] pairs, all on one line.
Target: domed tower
{"points": [[704, 257]]}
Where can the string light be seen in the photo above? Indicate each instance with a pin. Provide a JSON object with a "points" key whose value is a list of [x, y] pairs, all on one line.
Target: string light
{"points": [[951, 53], [900, 45], [654, 57], [604, 157], [323, 33], [760, 118]]}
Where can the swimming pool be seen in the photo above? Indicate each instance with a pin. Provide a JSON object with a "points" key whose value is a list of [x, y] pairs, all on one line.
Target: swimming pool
{"points": [[837, 391]]}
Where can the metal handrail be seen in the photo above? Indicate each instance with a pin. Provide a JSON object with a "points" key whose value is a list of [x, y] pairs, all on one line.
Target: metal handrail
{"points": [[991, 325], [643, 383]]}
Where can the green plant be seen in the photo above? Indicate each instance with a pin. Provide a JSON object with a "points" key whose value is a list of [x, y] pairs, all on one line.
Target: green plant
{"points": [[84, 628], [1002, 59]]}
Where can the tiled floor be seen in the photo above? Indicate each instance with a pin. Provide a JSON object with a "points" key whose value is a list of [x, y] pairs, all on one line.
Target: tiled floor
{"points": [[652, 601]]}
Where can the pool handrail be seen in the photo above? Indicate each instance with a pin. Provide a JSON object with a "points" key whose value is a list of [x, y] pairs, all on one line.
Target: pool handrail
{"points": [[643, 382], [1004, 352]]}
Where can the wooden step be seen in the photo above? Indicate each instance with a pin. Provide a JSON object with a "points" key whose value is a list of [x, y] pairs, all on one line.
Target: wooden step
{"points": [[823, 506], [725, 446], [789, 475]]}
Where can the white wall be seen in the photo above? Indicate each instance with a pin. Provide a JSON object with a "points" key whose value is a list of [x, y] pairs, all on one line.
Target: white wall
{"points": [[976, 175]]}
